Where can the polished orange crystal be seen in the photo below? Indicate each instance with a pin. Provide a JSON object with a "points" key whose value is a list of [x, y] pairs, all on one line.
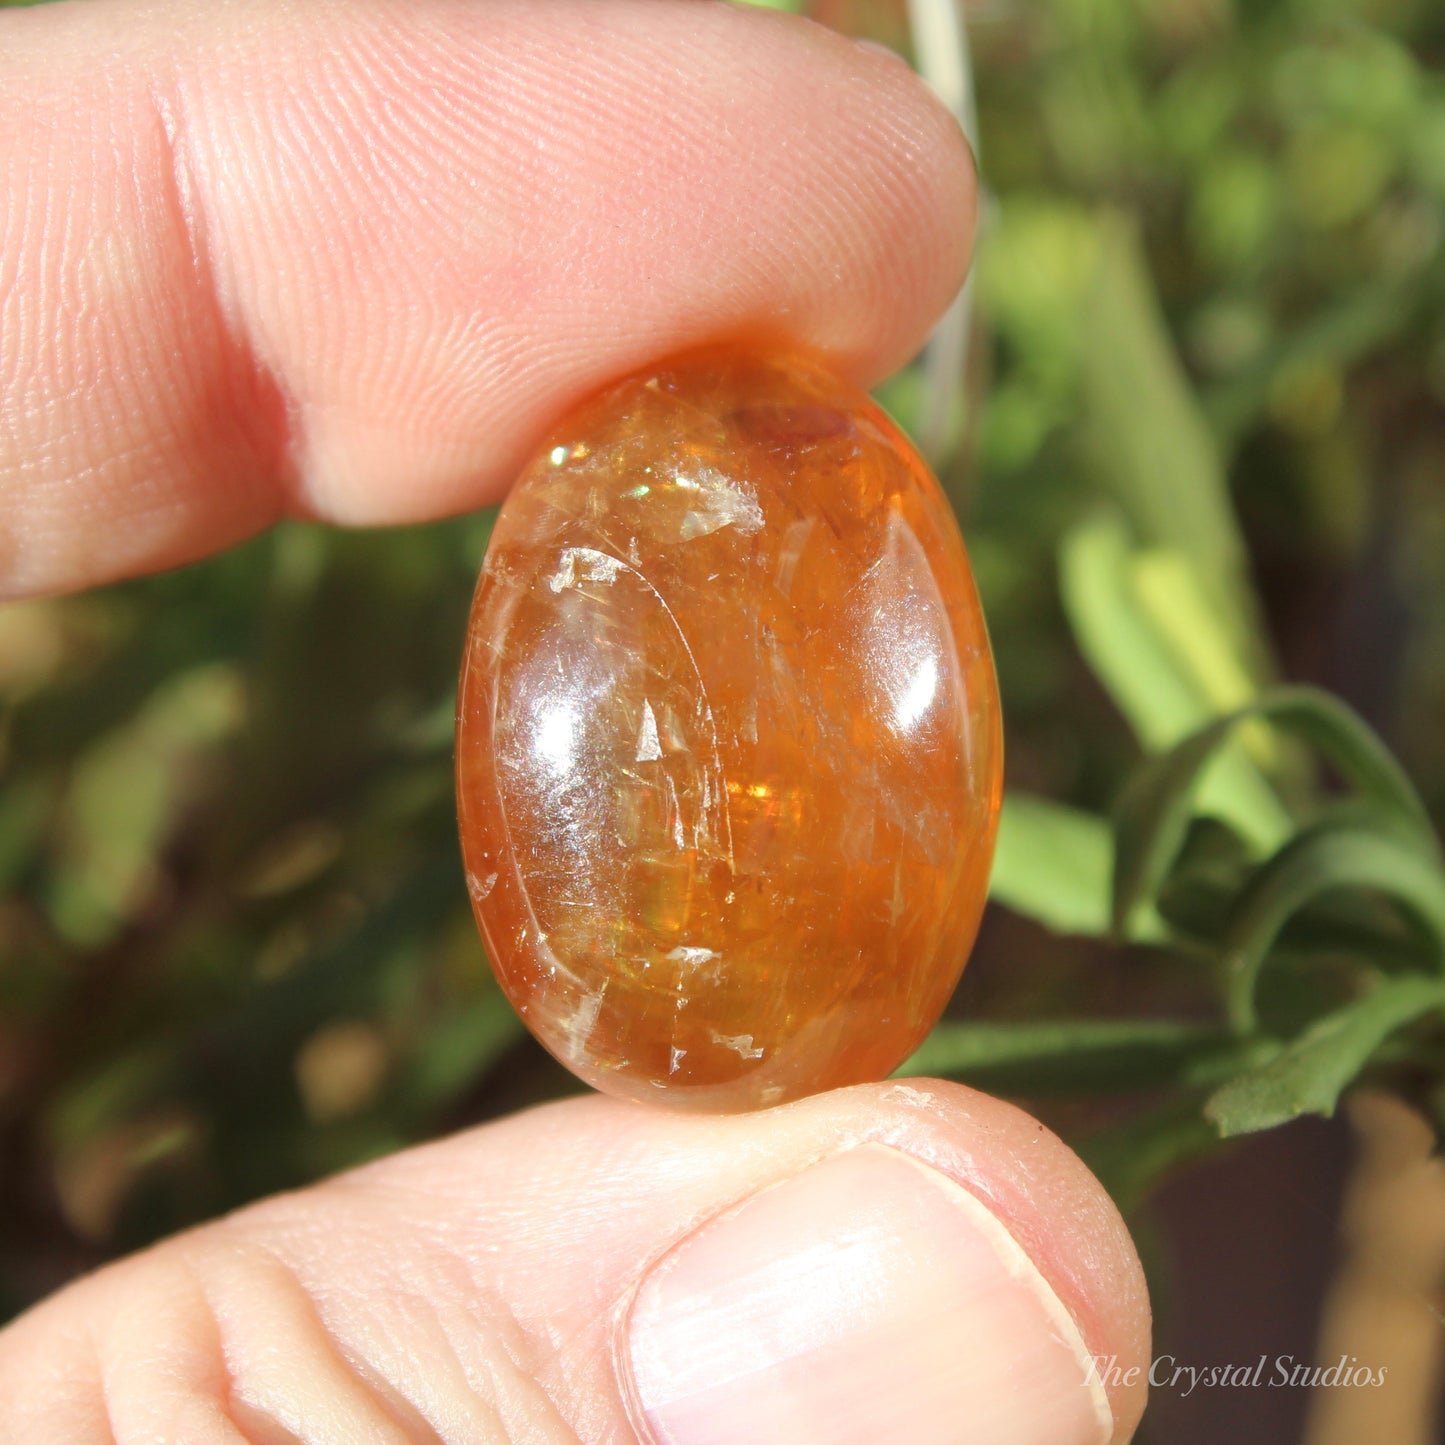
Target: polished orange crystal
{"points": [[728, 748]]}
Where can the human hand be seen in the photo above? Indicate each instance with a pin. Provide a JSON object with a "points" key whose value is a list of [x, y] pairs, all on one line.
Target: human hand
{"points": [[347, 261]]}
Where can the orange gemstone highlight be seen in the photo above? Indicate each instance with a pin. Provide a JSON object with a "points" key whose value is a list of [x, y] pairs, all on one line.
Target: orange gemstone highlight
{"points": [[728, 745]]}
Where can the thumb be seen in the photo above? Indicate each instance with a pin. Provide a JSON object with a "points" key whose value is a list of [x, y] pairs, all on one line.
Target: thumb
{"points": [[885, 1263]]}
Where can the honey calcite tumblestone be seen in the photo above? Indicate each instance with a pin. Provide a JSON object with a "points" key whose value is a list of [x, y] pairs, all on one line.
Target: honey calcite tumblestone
{"points": [[728, 750]]}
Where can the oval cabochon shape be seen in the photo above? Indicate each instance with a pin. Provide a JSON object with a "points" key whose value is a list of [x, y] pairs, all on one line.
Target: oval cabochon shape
{"points": [[729, 748]]}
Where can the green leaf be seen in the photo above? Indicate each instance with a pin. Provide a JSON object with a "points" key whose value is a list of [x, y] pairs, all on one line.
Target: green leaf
{"points": [[1321, 859], [1155, 683], [466, 1037], [25, 810], [1366, 317], [1159, 699], [1309, 1075], [1071, 1055], [1051, 864], [85, 1107], [125, 795], [1169, 593], [1154, 813], [1131, 1159], [1150, 442]]}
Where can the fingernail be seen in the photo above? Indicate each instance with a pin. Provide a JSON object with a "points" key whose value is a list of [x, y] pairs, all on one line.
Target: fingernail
{"points": [[868, 1299]]}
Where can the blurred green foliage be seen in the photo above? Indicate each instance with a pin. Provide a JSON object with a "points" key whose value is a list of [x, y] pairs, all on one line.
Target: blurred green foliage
{"points": [[1201, 450]]}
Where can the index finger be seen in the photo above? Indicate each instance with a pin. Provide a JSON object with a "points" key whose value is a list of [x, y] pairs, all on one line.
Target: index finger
{"points": [[348, 260]]}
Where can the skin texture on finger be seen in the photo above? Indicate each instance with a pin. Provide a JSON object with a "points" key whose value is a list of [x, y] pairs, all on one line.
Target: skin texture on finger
{"points": [[349, 259], [475, 1289]]}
